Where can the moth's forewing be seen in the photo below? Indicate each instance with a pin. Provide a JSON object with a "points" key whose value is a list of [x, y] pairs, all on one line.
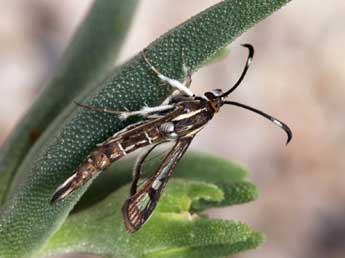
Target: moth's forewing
{"points": [[139, 207]]}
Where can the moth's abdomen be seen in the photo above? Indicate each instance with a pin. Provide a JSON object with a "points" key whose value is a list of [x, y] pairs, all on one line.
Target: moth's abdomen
{"points": [[111, 150], [94, 163], [117, 148]]}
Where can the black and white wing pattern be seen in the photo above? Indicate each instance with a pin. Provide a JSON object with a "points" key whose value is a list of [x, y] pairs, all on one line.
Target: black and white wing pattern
{"points": [[139, 207]]}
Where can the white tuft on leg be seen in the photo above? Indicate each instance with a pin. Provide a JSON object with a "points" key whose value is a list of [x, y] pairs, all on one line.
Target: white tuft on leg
{"points": [[145, 111], [176, 84]]}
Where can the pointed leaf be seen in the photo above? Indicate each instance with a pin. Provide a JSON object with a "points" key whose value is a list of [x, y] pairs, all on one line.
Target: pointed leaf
{"points": [[89, 57]]}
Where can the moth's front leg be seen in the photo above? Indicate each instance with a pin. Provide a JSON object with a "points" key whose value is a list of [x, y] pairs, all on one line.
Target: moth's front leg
{"points": [[182, 87]]}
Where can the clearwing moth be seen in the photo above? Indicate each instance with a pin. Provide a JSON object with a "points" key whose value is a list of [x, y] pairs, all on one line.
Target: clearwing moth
{"points": [[178, 119]]}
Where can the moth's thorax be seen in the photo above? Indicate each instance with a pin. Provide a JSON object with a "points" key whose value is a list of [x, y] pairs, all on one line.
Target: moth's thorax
{"points": [[195, 116]]}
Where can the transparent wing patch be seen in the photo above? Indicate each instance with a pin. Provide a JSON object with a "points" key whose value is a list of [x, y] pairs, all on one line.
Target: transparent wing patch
{"points": [[139, 207]]}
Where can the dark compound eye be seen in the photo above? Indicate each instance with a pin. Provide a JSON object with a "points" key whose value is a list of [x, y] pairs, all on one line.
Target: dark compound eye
{"points": [[210, 95]]}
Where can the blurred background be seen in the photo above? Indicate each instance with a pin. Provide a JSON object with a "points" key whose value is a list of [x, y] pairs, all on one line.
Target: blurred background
{"points": [[297, 75]]}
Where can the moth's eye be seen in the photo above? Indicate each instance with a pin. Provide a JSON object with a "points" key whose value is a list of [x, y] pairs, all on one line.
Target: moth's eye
{"points": [[210, 95]]}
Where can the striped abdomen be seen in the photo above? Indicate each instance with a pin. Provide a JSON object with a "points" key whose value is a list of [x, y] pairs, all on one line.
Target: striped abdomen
{"points": [[111, 150]]}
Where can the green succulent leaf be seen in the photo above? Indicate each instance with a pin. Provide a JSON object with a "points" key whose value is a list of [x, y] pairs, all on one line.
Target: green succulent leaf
{"points": [[90, 56], [219, 55], [27, 219], [173, 231], [234, 193]]}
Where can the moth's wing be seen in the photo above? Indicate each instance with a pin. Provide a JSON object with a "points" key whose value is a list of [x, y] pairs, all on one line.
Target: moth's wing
{"points": [[138, 168], [139, 207]]}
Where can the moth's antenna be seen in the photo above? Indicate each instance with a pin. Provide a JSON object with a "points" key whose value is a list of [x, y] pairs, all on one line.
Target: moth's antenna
{"points": [[271, 118], [249, 60]]}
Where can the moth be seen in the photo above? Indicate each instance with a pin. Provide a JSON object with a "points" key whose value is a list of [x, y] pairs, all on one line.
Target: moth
{"points": [[178, 119]]}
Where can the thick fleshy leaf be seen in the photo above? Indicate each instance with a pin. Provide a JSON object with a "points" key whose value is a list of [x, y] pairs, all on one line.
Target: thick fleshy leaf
{"points": [[171, 232], [88, 59], [234, 193], [76, 131], [219, 55]]}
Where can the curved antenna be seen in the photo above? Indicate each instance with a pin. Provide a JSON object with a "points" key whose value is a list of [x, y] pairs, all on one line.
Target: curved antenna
{"points": [[271, 118], [249, 60]]}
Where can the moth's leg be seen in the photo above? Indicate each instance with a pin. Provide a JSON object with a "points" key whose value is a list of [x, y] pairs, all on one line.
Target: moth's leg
{"points": [[170, 98], [138, 167], [182, 87], [125, 114], [187, 82], [149, 110]]}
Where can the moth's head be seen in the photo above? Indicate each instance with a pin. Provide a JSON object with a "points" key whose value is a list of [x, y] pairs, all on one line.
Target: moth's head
{"points": [[215, 99]]}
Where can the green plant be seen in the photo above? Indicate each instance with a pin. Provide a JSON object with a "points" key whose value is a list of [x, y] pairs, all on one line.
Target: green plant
{"points": [[31, 170]]}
